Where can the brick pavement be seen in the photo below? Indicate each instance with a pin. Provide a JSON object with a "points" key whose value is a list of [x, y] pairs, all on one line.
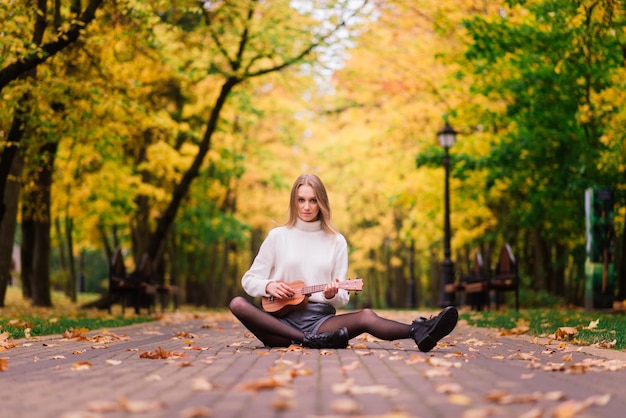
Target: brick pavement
{"points": [[215, 368]]}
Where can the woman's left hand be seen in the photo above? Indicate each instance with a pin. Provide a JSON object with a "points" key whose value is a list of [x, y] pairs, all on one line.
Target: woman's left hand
{"points": [[331, 289]]}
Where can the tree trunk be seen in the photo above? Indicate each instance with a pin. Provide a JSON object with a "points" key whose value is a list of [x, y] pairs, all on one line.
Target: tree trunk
{"points": [[61, 246], [558, 278], [539, 260], [620, 267], [27, 252], [164, 223], [8, 225], [141, 221], [71, 282], [41, 260]]}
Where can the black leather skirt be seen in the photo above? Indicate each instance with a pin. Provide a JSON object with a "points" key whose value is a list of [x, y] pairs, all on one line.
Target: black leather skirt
{"points": [[309, 319]]}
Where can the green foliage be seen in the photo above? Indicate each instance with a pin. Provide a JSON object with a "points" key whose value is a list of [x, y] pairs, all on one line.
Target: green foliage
{"points": [[538, 299]]}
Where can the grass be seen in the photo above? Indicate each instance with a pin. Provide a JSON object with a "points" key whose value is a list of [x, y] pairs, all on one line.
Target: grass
{"points": [[609, 330], [18, 316]]}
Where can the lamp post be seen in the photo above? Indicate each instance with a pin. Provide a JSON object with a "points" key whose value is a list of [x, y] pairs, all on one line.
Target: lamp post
{"points": [[446, 136]]}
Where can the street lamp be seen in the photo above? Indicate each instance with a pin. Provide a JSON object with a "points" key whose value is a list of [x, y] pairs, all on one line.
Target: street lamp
{"points": [[446, 136]]}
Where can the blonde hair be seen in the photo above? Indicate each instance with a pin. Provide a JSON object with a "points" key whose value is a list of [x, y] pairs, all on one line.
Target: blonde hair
{"points": [[322, 200]]}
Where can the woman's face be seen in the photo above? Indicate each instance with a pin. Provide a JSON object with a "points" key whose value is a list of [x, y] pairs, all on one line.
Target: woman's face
{"points": [[308, 208]]}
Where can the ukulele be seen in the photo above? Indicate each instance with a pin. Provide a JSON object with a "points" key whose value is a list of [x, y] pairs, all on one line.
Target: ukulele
{"points": [[280, 307]]}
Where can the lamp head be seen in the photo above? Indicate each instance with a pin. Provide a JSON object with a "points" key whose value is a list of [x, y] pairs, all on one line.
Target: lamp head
{"points": [[446, 136]]}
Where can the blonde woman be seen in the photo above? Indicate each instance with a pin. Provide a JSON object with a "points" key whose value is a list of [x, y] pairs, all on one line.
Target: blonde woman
{"points": [[308, 250]]}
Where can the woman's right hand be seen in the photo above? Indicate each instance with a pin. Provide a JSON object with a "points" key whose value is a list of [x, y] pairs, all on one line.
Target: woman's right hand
{"points": [[279, 290]]}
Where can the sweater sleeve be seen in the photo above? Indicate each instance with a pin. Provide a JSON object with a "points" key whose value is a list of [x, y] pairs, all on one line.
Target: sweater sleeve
{"points": [[340, 271], [254, 281]]}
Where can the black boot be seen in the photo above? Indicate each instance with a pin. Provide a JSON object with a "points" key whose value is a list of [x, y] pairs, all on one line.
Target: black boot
{"points": [[335, 339], [427, 332]]}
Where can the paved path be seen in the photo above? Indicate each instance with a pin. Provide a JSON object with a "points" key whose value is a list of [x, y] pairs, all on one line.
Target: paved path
{"points": [[210, 366]]}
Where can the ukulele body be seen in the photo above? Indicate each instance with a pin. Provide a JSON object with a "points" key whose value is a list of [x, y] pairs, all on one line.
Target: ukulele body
{"points": [[280, 307]]}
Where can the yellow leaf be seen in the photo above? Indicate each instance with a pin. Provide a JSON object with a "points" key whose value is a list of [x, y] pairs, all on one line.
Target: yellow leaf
{"points": [[459, 399]]}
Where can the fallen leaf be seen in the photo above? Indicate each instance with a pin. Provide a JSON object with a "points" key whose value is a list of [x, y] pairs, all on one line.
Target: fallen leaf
{"points": [[349, 367], [415, 358], [593, 324], [554, 367], [285, 399], [434, 373], [4, 366], [103, 406], [348, 387], [567, 409], [565, 333], [160, 353], [555, 395], [459, 399], [201, 384], [346, 406], [185, 364], [523, 356], [438, 362], [448, 388], [81, 365], [270, 382], [99, 346], [606, 344], [113, 362], [141, 406], [479, 413]]}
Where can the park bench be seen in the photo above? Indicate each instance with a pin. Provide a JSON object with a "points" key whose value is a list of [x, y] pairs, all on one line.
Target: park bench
{"points": [[505, 278], [132, 289], [475, 284], [155, 284], [121, 289]]}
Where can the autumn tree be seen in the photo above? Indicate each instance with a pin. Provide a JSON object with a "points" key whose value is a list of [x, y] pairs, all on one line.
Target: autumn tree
{"points": [[22, 56], [542, 64]]}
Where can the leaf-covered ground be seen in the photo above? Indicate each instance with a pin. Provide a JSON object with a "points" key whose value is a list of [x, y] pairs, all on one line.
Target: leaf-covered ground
{"points": [[579, 327], [20, 319]]}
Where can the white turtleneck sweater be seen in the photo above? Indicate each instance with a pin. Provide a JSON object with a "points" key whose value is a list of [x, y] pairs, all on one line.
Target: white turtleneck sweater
{"points": [[303, 252]]}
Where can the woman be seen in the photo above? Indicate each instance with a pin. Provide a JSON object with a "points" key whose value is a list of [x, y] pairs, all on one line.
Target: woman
{"points": [[309, 249]]}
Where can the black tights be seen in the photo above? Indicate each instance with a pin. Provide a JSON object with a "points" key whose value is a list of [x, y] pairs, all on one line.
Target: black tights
{"points": [[274, 333]]}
